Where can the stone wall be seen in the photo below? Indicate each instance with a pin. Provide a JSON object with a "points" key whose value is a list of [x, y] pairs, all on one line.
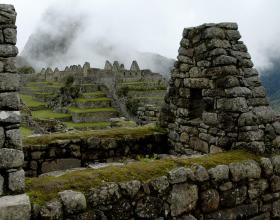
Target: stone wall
{"points": [[215, 96], [148, 113], [66, 154], [13, 203], [241, 190]]}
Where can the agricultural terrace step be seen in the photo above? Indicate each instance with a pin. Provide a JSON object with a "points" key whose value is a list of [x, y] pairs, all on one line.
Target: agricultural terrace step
{"points": [[93, 102], [30, 102], [146, 93], [107, 133], [98, 94], [87, 125], [45, 188], [48, 114]]}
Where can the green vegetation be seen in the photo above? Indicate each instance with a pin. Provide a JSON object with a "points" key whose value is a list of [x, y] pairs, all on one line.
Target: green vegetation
{"points": [[133, 105], [44, 188], [92, 99], [26, 70], [25, 131], [45, 114], [106, 133], [91, 110], [28, 100], [94, 94], [102, 124]]}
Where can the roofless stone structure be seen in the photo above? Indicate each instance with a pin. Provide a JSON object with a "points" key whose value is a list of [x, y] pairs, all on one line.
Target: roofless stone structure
{"points": [[215, 96], [13, 203]]}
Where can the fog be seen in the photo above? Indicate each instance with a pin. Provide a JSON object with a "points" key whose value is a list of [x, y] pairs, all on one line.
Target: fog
{"points": [[123, 29]]}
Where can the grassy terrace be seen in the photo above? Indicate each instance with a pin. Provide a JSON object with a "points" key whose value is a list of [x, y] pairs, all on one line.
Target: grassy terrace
{"points": [[90, 110], [101, 124], [28, 100], [97, 94], [114, 132], [92, 99], [42, 189], [25, 131], [45, 114]]}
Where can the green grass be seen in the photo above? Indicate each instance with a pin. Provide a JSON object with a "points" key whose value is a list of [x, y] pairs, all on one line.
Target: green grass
{"points": [[94, 94], [101, 124], [45, 188], [106, 133], [25, 131], [28, 100], [45, 114], [87, 110], [92, 99]]}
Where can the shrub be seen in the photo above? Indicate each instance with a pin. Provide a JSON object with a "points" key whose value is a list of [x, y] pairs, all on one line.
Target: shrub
{"points": [[26, 70]]}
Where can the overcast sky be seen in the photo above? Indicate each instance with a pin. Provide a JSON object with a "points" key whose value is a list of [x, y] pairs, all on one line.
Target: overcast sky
{"points": [[156, 25]]}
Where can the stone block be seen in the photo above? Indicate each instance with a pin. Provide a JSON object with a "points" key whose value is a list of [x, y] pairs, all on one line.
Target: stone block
{"points": [[266, 166], [17, 181], [16, 207], [148, 207], [213, 32], [10, 35], [13, 139], [200, 173], [177, 175], [160, 184], [130, 188], [2, 137], [246, 169], [11, 158], [232, 104], [7, 50], [52, 210], [9, 100], [183, 198], [234, 197], [210, 200], [219, 173], [9, 82], [10, 117], [73, 202], [257, 188]]}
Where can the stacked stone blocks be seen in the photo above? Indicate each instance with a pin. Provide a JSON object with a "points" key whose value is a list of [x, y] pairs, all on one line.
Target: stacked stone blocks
{"points": [[11, 156], [215, 96]]}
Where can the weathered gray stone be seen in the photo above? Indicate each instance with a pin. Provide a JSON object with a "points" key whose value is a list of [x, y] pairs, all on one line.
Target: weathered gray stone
{"points": [[2, 137], [1, 185], [199, 145], [148, 207], [9, 101], [275, 183], [16, 207], [223, 60], [276, 164], [266, 166], [52, 210], [228, 25], [210, 118], [9, 82], [183, 198], [73, 202], [213, 32], [219, 173], [200, 173], [130, 188], [233, 35], [13, 139], [8, 50], [60, 164], [238, 104], [276, 209], [106, 194], [233, 197], [10, 35], [11, 158], [246, 169], [177, 175], [17, 181], [210, 200], [238, 92], [257, 188], [160, 184]]}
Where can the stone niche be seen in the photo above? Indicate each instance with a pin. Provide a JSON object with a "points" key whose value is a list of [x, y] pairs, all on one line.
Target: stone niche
{"points": [[215, 99]]}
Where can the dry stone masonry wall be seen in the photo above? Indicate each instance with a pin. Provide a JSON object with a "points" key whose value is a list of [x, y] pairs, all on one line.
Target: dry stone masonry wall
{"points": [[13, 203], [243, 190], [215, 96]]}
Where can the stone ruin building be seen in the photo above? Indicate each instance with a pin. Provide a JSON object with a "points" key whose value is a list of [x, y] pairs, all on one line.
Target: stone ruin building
{"points": [[215, 95]]}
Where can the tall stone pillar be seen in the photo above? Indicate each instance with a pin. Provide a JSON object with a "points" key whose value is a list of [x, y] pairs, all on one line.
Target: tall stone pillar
{"points": [[14, 204]]}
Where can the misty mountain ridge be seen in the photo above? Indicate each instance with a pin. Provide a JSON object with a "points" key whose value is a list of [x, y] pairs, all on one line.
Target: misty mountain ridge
{"points": [[68, 40]]}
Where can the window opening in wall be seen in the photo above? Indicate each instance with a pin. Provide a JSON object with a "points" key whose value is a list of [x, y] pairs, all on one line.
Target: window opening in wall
{"points": [[197, 104]]}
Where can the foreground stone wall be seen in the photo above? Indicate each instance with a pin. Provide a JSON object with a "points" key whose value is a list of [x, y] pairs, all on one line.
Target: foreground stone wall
{"points": [[148, 113], [13, 204], [66, 154], [243, 190], [216, 97]]}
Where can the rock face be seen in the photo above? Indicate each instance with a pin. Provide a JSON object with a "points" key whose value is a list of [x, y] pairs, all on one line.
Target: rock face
{"points": [[14, 207], [215, 95]]}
